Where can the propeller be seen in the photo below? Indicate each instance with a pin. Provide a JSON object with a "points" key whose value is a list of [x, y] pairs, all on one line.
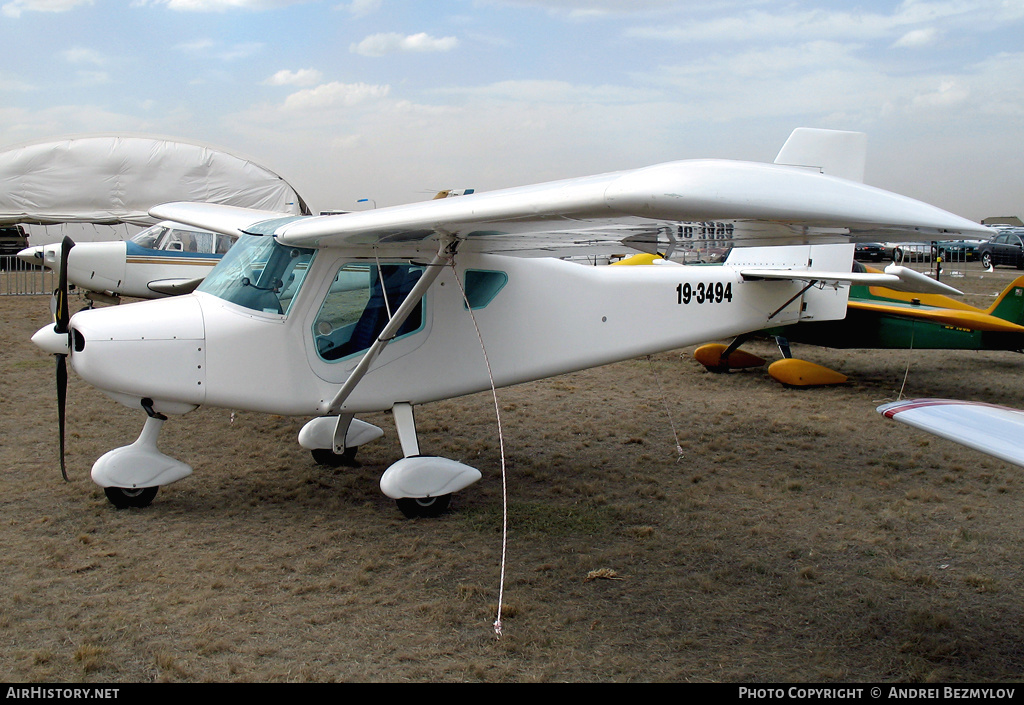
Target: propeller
{"points": [[62, 317]]}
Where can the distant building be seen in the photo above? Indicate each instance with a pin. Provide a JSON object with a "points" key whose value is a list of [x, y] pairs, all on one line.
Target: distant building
{"points": [[1003, 220]]}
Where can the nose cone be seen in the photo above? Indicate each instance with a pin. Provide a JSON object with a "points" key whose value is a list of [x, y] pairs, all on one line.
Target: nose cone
{"points": [[51, 341], [46, 255], [154, 349]]}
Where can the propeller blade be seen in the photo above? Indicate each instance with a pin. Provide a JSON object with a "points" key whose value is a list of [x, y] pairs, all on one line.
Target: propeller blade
{"points": [[62, 398], [62, 318], [62, 313]]}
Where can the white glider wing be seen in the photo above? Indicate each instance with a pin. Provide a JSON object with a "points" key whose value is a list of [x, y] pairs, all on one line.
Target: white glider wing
{"points": [[991, 429], [771, 204]]}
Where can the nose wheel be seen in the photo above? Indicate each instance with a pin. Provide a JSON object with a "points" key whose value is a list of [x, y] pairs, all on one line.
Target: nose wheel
{"points": [[413, 507], [129, 497]]}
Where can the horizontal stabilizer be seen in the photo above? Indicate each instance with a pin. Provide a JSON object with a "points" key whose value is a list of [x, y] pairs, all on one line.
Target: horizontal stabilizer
{"points": [[991, 429], [894, 277]]}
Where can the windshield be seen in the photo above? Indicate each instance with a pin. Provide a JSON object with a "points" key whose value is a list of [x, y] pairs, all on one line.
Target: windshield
{"points": [[260, 274], [178, 239]]}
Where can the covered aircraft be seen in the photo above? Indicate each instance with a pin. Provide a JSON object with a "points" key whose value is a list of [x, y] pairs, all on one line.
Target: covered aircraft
{"points": [[116, 178], [401, 306]]}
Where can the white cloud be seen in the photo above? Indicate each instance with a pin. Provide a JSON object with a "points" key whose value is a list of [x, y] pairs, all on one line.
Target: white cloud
{"points": [[584, 9], [334, 95], [220, 5], [553, 92], [9, 83], [795, 23], [83, 55], [361, 8], [391, 42], [93, 78], [239, 51], [209, 48], [14, 9], [195, 46], [19, 124], [949, 93], [918, 38], [302, 77]]}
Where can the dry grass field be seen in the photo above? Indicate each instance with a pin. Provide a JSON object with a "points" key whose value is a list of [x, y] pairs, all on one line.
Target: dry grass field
{"points": [[798, 537]]}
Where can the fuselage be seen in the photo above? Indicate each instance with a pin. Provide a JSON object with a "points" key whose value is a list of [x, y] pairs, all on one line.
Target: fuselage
{"points": [[279, 329]]}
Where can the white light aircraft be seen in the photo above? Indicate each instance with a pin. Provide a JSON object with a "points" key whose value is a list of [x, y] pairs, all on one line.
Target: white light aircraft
{"points": [[166, 259], [386, 309]]}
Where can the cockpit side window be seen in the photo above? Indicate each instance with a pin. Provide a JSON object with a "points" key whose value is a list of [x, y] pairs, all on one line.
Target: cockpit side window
{"points": [[360, 303]]}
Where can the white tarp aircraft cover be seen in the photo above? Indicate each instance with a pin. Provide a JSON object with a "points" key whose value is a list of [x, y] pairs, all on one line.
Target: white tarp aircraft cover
{"points": [[116, 178]]}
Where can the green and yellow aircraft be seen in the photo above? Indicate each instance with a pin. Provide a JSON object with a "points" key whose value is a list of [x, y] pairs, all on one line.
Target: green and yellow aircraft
{"points": [[880, 318]]}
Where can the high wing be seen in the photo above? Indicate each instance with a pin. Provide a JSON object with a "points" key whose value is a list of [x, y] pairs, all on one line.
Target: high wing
{"points": [[770, 204], [991, 429], [229, 220]]}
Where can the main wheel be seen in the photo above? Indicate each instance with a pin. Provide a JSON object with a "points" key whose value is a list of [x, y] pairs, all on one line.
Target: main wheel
{"points": [[328, 458], [986, 259], [126, 497], [413, 507]]}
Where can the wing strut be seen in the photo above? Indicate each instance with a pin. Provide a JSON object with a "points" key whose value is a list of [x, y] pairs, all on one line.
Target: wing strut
{"points": [[444, 254]]}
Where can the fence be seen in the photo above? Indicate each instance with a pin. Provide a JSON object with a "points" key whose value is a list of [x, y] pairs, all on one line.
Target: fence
{"points": [[20, 279], [940, 259]]}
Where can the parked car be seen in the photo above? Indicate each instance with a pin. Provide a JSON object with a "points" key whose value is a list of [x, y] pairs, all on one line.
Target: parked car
{"points": [[958, 250], [13, 240], [1005, 248], [874, 251], [901, 252]]}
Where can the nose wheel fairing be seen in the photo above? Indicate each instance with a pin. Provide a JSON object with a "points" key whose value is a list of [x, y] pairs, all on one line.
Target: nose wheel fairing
{"points": [[139, 465]]}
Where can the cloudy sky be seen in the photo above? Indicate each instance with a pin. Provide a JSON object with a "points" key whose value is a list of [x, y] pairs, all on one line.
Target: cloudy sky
{"points": [[391, 100]]}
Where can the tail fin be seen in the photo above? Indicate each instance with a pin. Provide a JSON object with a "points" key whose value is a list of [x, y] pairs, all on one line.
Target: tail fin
{"points": [[835, 152], [1010, 304]]}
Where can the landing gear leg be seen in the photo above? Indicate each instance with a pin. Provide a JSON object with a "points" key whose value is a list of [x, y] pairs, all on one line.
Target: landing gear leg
{"points": [[783, 344], [422, 485], [130, 476]]}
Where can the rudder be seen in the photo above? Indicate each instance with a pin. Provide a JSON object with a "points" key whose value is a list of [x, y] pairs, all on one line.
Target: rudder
{"points": [[1010, 304]]}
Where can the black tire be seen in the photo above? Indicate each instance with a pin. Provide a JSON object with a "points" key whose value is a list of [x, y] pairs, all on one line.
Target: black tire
{"points": [[986, 259], [429, 507], [328, 458], [130, 497]]}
